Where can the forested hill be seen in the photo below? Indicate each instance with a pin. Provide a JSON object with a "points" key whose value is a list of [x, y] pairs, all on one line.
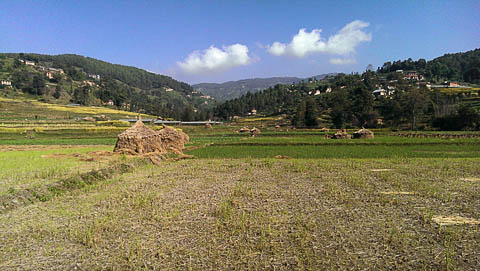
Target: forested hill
{"points": [[442, 93], [234, 89], [132, 76], [452, 67], [70, 78]]}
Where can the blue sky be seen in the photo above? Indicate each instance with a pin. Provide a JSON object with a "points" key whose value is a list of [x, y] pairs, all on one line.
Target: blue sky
{"points": [[216, 41]]}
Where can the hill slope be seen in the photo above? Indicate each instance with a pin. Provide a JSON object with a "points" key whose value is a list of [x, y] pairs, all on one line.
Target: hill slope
{"points": [[234, 89], [463, 66], [400, 100], [72, 78]]}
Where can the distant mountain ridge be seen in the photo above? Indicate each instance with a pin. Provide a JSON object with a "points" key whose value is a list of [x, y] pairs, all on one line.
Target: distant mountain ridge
{"points": [[234, 89]]}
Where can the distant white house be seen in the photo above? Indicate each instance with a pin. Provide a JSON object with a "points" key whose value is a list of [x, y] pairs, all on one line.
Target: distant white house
{"points": [[49, 75], [329, 89], [390, 90], [27, 62], [379, 92], [5, 83], [56, 70], [94, 76]]}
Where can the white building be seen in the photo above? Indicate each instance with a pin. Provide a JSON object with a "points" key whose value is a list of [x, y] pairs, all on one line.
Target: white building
{"points": [[379, 92], [5, 83], [56, 70], [27, 62]]}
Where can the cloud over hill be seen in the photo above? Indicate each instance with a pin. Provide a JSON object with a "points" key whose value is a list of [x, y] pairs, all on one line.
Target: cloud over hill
{"points": [[214, 59], [342, 43]]}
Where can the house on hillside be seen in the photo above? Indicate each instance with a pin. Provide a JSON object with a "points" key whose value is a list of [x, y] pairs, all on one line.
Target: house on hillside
{"points": [[451, 84], [94, 76], [448, 84], [56, 70], [27, 62], [49, 75], [379, 92], [411, 76], [5, 83]]}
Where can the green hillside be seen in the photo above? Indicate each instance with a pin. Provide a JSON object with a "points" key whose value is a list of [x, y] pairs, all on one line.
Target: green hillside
{"points": [[87, 81], [463, 66], [234, 89], [408, 96]]}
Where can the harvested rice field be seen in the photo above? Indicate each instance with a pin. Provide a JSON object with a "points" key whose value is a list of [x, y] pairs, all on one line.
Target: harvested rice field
{"points": [[273, 202]]}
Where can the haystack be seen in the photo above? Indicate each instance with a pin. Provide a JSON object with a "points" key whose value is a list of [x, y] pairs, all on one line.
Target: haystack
{"points": [[173, 140], [363, 133], [244, 130], [139, 139], [342, 134], [254, 131]]}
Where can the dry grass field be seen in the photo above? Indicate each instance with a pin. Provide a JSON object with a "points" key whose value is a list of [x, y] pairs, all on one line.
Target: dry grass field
{"points": [[271, 214], [280, 201]]}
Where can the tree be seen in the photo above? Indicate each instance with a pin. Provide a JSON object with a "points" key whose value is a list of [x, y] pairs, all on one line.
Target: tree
{"points": [[38, 85], [362, 105], [472, 75], [415, 102], [391, 110], [466, 118], [188, 113], [57, 92], [340, 108], [299, 120], [310, 113], [82, 95]]}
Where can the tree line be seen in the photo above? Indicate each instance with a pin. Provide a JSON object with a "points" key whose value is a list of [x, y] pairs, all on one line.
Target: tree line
{"points": [[350, 103]]}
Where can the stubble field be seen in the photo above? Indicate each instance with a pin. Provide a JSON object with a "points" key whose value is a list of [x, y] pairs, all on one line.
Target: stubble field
{"points": [[280, 201]]}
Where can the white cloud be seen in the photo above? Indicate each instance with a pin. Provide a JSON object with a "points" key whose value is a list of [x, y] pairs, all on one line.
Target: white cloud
{"points": [[343, 42], [214, 59], [342, 61]]}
